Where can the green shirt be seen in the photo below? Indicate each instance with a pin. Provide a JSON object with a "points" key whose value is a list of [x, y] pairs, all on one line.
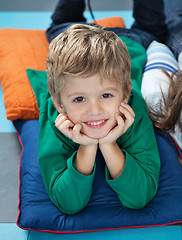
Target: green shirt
{"points": [[69, 190]]}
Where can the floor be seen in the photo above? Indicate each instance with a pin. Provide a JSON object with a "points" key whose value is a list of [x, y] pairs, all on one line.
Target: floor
{"points": [[36, 15]]}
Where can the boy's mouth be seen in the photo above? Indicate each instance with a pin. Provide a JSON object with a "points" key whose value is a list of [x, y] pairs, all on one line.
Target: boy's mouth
{"points": [[96, 124]]}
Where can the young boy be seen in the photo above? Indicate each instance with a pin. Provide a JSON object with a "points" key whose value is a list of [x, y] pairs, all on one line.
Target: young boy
{"points": [[91, 108]]}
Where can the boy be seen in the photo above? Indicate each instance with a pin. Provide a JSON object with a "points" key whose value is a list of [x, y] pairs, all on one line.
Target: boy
{"points": [[94, 109]]}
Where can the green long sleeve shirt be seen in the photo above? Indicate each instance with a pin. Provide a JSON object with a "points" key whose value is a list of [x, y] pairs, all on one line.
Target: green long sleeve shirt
{"points": [[69, 190]]}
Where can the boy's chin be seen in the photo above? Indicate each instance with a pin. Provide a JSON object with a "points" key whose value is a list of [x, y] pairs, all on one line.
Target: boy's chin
{"points": [[95, 136]]}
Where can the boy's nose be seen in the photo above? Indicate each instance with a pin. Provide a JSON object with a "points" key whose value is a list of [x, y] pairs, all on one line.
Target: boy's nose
{"points": [[94, 108]]}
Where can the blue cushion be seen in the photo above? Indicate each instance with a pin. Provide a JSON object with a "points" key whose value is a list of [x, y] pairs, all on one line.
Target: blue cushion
{"points": [[104, 210]]}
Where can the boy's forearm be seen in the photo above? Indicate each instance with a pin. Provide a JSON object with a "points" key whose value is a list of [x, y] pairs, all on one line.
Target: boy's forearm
{"points": [[85, 159], [114, 158]]}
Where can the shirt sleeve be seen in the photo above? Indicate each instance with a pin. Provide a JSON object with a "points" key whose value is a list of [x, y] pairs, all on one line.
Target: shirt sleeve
{"points": [[138, 182], [69, 190]]}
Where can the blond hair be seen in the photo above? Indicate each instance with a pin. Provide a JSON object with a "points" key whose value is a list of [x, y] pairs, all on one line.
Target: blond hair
{"points": [[85, 50]]}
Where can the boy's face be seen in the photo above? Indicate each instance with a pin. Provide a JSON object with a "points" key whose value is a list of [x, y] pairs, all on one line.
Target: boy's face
{"points": [[92, 103]]}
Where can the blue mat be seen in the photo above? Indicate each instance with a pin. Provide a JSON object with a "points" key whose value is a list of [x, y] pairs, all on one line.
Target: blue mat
{"points": [[104, 210]]}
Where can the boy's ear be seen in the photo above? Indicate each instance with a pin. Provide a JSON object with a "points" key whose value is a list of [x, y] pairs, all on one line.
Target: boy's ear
{"points": [[57, 106], [128, 95], [127, 98]]}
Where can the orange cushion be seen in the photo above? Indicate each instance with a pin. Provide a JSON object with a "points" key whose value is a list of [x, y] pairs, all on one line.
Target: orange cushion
{"points": [[111, 22], [21, 49]]}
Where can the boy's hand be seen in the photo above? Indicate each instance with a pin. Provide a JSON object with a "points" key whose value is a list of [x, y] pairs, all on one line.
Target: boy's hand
{"points": [[124, 121], [72, 131]]}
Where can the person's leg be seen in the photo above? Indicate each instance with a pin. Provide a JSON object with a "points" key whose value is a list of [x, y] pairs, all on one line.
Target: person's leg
{"points": [[149, 22], [150, 17], [143, 31], [65, 14], [173, 12]]}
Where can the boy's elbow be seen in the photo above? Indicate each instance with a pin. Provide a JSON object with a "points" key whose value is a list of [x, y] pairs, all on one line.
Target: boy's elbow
{"points": [[71, 210], [141, 204], [69, 207], [136, 205], [141, 200]]}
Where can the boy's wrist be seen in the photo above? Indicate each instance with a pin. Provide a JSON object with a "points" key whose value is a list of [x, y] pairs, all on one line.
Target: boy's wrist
{"points": [[103, 146], [91, 148], [85, 159], [114, 158]]}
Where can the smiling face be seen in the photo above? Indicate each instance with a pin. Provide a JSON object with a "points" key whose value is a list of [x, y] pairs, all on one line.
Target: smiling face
{"points": [[92, 103]]}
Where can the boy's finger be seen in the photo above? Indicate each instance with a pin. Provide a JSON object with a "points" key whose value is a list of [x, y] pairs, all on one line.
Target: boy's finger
{"points": [[120, 125], [59, 122], [76, 130], [128, 114], [126, 106], [66, 124], [60, 119], [80, 137], [125, 123], [65, 128]]}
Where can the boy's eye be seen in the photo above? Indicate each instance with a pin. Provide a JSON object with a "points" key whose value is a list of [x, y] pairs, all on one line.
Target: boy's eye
{"points": [[79, 99], [106, 95]]}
